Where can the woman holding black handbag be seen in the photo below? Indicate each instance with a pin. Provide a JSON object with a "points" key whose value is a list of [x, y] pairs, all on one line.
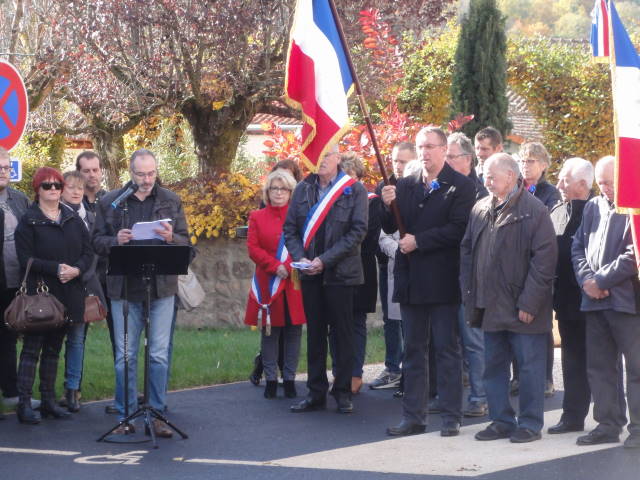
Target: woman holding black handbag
{"points": [[58, 242]]}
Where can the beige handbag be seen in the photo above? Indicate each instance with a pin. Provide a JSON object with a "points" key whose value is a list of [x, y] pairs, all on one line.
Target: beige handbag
{"points": [[190, 291]]}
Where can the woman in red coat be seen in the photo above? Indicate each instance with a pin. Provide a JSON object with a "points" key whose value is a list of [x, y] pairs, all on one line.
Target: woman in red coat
{"points": [[284, 312]]}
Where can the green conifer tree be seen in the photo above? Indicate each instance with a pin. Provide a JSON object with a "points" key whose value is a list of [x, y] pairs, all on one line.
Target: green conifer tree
{"points": [[479, 78]]}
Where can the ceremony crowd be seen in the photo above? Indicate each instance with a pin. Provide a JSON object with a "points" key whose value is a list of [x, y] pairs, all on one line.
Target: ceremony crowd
{"points": [[470, 251]]}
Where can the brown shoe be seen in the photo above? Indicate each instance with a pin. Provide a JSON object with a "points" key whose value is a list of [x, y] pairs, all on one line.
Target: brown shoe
{"points": [[160, 428], [124, 429], [356, 385]]}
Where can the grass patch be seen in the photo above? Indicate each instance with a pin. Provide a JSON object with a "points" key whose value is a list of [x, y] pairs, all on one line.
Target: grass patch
{"points": [[200, 357]]}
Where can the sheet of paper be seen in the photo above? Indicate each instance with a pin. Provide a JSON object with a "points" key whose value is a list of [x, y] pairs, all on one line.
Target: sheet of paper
{"points": [[301, 265], [145, 230]]}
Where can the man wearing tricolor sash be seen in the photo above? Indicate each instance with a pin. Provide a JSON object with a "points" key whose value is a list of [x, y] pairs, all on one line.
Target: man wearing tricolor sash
{"points": [[325, 225]]}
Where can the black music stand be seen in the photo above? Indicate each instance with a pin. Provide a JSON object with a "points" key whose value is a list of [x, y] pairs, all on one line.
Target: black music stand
{"points": [[145, 261]]}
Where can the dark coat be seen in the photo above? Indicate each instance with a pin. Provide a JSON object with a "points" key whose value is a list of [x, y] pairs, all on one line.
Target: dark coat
{"points": [[50, 244], [19, 204], [366, 295], [566, 218], [344, 229], [481, 190], [109, 221], [547, 193], [602, 249], [438, 220], [522, 265]]}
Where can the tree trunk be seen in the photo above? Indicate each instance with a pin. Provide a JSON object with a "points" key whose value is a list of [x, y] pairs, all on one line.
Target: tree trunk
{"points": [[110, 147], [217, 133]]}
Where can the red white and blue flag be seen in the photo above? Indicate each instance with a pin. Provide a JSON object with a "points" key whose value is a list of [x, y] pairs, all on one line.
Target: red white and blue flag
{"points": [[318, 79], [600, 31], [625, 78]]}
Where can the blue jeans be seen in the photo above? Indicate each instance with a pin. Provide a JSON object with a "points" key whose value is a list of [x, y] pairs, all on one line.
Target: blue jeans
{"points": [[74, 355], [473, 354], [161, 318], [530, 350]]}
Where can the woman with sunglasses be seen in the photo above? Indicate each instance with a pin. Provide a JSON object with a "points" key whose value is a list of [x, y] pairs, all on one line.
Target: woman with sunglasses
{"points": [[58, 242]]}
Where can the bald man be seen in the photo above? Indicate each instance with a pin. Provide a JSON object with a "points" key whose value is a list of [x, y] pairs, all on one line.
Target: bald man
{"points": [[605, 266], [507, 265]]}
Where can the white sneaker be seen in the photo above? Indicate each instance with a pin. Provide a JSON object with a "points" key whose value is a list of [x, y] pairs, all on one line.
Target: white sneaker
{"points": [[386, 379], [12, 402]]}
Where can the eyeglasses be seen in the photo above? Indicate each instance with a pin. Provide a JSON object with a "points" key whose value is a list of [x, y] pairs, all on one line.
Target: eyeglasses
{"points": [[451, 157], [279, 189], [528, 161], [50, 185], [5, 169], [145, 175]]}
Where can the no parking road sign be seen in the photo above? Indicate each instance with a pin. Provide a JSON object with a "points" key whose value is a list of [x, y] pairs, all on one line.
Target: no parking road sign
{"points": [[14, 107]]}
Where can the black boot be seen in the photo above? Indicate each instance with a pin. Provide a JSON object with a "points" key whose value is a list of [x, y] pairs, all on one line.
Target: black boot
{"points": [[290, 389], [26, 414], [271, 389], [73, 400], [256, 374], [49, 408]]}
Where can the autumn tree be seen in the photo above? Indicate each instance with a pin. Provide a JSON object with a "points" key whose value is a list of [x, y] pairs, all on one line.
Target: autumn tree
{"points": [[479, 76], [215, 62]]}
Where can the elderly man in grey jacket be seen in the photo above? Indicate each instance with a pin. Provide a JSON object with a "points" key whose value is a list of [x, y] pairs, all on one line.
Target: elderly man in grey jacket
{"points": [[507, 266], [605, 266]]}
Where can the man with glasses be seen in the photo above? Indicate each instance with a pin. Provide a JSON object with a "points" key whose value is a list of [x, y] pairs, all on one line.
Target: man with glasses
{"points": [[13, 204], [460, 157], [434, 208], [150, 202]]}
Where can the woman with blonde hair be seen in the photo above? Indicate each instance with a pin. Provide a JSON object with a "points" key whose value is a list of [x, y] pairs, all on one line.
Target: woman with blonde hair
{"points": [[275, 302]]}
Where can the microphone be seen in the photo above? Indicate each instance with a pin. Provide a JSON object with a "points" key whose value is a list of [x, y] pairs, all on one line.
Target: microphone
{"points": [[130, 190]]}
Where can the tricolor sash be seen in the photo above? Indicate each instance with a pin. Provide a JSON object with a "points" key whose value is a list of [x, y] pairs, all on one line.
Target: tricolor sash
{"points": [[371, 196], [276, 286], [320, 210]]}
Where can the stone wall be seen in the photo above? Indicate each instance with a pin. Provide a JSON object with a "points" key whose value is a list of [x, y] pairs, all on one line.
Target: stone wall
{"points": [[224, 270]]}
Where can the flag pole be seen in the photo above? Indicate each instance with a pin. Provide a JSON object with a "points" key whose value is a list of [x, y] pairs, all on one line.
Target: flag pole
{"points": [[365, 113]]}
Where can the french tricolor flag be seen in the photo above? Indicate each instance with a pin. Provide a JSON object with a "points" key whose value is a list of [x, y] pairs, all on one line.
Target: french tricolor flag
{"points": [[600, 32], [625, 77], [318, 79]]}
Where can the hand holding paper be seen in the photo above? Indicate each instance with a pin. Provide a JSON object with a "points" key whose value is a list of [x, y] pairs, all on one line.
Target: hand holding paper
{"points": [[158, 229]]}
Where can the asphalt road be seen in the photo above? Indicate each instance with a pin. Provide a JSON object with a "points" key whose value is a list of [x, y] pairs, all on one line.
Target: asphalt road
{"points": [[234, 433]]}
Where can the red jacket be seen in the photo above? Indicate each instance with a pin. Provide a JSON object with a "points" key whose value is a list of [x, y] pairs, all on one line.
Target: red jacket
{"points": [[265, 229]]}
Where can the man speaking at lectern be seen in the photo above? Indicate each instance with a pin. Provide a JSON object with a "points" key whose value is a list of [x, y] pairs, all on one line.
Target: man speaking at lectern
{"points": [[147, 203]]}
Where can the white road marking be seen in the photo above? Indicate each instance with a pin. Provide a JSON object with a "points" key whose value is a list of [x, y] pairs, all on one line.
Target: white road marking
{"points": [[127, 458], [38, 452], [431, 454]]}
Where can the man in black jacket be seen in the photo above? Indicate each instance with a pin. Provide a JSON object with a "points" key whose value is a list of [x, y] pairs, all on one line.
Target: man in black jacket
{"points": [[13, 204], [434, 208], [574, 183], [150, 202], [334, 268]]}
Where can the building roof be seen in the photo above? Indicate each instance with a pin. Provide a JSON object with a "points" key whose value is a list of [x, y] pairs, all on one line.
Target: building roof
{"points": [[526, 127]]}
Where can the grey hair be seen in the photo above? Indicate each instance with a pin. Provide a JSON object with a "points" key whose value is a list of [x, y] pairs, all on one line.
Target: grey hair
{"points": [[462, 141], [503, 161], [604, 162], [280, 174], [413, 168], [350, 163], [437, 130], [580, 169], [4, 153], [142, 152]]}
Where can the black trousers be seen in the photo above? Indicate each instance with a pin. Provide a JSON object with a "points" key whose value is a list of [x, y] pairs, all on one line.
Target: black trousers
{"points": [[610, 333], [45, 348], [577, 394], [8, 355], [421, 322], [328, 307]]}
